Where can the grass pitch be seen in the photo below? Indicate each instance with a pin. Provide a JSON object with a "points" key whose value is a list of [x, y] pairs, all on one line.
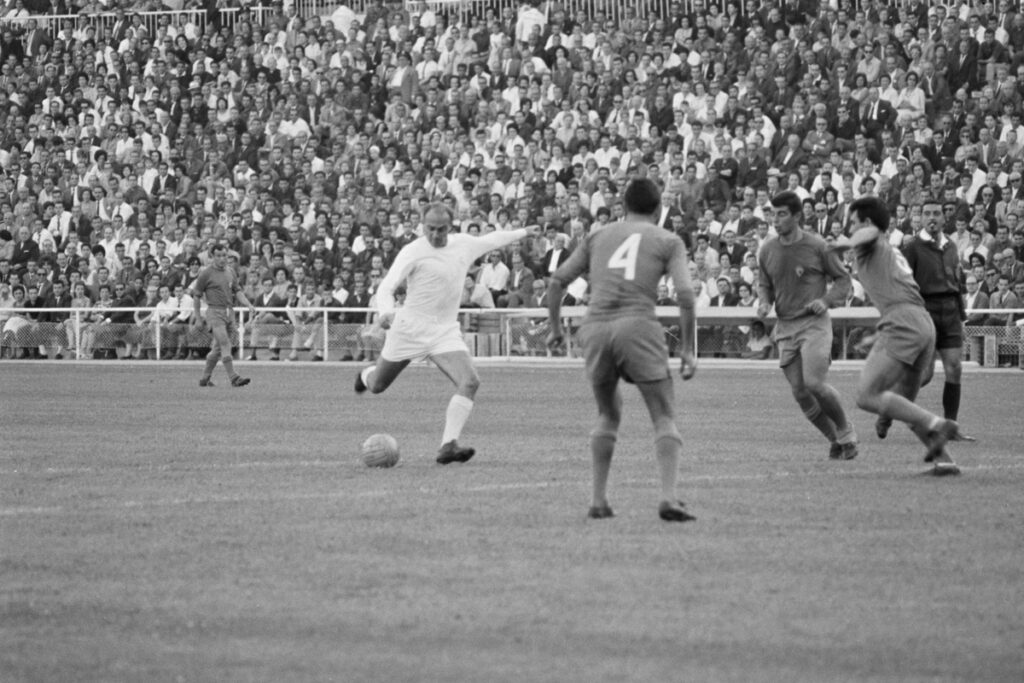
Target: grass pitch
{"points": [[151, 530]]}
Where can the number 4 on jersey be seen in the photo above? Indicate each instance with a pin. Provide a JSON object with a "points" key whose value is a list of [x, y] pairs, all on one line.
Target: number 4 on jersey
{"points": [[625, 256]]}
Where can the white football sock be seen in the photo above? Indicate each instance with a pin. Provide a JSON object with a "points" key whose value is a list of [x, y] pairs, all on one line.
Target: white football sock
{"points": [[455, 418]]}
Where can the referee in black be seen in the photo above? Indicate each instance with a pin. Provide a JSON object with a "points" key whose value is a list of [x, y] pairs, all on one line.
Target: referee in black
{"points": [[935, 262]]}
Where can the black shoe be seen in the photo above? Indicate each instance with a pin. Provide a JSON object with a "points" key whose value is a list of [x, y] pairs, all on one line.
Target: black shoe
{"points": [[317, 357], [937, 439], [206, 382], [360, 386], [882, 425], [600, 512], [276, 356], [452, 452], [843, 451], [674, 512], [240, 381], [251, 356], [944, 469]]}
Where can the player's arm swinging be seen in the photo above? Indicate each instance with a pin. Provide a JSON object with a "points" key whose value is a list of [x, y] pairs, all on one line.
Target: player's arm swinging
{"points": [[842, 282], [244, 300], [197, 307], [861, 238], [765, 290], [680, 272], [577, 264]]}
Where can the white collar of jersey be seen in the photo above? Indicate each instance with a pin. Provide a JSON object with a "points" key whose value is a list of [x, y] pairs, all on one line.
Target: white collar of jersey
{"points": [[926, 236]]}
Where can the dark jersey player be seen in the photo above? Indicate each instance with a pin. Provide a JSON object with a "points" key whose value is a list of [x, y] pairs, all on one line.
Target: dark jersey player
{"points": [[905, 343], [622, 338], [218, 284], [794, 269], [935, 263]]}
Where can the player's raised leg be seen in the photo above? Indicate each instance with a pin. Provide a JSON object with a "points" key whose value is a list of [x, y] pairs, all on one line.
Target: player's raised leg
{"points": [[602, 444], [880, 376], [458, 367], [379, 376], [668, 444], [888, 388]]}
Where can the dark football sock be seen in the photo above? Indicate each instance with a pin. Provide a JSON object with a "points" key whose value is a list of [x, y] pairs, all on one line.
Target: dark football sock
{"points": [[951, 400]]}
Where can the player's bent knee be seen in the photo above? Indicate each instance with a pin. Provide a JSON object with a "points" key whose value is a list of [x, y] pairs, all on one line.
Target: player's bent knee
{"points": [[868, 400], [815, 385], [802, 394]]}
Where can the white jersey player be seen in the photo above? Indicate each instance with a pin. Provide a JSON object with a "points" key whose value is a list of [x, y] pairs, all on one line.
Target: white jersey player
{"points": [[434, 269]]}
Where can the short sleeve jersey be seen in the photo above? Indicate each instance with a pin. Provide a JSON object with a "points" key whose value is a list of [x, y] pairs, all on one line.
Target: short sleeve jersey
{"points": [[794, 275], [625, 262], [218, 285], [886, 276]]}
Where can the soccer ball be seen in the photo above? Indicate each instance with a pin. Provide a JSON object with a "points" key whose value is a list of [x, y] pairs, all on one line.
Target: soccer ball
{"points": [[380, 450]]}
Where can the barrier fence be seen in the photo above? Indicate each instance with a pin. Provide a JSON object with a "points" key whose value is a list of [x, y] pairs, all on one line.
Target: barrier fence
{"points": [[330, 333], [453, 10]]}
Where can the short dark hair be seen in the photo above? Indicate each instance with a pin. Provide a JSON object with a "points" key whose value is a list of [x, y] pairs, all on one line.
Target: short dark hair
{"points": [[872, 209], [642, 196], [788, 200]]}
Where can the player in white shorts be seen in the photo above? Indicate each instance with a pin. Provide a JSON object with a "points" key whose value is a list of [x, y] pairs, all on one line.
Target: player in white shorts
{"points": [[434, 269]]}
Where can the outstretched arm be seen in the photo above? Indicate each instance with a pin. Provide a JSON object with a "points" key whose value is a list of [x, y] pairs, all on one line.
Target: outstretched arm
{"points": [[765, 289], [499, 239], [862, 238], [577, 264]]}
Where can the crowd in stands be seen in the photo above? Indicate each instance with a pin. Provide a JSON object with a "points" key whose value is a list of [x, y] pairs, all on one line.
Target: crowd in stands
{"points": [[311, 145]]}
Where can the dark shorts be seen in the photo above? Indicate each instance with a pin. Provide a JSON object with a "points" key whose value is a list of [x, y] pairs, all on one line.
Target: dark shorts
{"points": [[949, 328], [907, 334], [811, 334], [629, 348], [223, 324]]}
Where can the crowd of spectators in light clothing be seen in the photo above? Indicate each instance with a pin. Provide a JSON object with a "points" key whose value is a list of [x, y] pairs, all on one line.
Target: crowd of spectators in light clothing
{"points": [[311, 144]]}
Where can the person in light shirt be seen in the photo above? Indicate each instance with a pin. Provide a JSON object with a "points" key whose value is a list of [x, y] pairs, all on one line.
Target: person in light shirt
{"points": [[433, 269]]}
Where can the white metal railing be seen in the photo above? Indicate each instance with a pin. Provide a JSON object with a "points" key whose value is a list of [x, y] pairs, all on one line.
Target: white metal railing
{"points": [[459, 10], [500, 332], [55, 23]]}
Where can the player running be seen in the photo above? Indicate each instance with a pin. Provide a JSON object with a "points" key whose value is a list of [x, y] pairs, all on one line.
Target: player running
{"points": [[904, 347], [793, 271], [622, 338], [433, 269]]}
